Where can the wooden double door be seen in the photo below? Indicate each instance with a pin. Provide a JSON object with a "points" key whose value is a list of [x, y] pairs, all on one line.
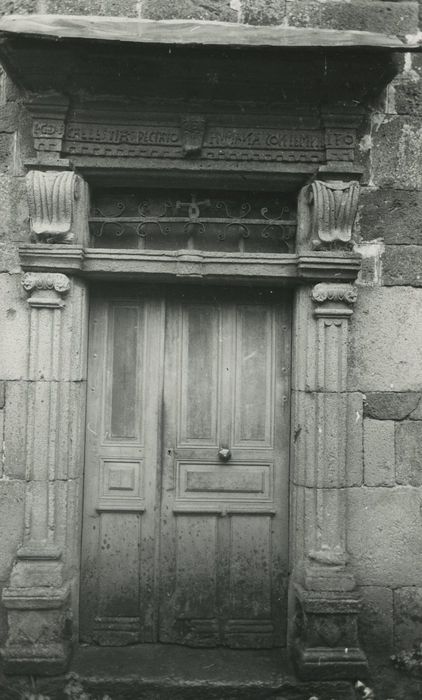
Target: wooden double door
{"points": [[185, 531]]}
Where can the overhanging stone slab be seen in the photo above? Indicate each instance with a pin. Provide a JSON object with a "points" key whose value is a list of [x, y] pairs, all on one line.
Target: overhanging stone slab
{"points": [[192, 33]]}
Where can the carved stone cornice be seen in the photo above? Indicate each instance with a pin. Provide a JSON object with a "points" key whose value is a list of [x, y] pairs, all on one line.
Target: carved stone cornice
{"points": [[46, 289], [51, 199]]}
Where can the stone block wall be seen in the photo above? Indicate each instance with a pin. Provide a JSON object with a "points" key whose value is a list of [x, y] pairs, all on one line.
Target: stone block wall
{"points": [[385, 502]]}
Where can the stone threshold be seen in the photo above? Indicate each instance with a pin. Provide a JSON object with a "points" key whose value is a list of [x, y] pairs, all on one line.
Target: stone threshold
{"points": [[171, 672]]}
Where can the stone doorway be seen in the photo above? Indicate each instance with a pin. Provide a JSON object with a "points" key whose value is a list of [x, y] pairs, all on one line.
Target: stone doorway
{"points": [[185, 536]]}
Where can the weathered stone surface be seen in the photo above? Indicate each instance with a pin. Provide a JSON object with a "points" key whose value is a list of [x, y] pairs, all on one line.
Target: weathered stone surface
{"points": [[13, 209], [408, 617], [14, 325], [409, 453], [378, 448], [385, 535], [9, 7], [394, 215], [7, 164], [417, 413], [11, 522], [9, 115], [124, 8], [320, 458], [402, 265], [189, 9], [376, 16], [386, 340], [9, 257], [376, 618], [390, 405], [397, 153], [15, 429], [262, 11], [408, 94]]}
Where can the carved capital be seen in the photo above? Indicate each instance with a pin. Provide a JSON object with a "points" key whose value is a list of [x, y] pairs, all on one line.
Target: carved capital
{"points": [[46, 289], [333, 299], [192, 131], [51, 199]]}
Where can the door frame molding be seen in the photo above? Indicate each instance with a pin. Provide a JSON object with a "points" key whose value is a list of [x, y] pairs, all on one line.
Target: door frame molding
{"points": [[45, 578]]}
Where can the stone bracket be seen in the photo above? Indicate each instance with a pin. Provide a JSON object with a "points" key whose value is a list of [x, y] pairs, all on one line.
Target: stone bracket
{"points": [[57, 201], [326, 214]]}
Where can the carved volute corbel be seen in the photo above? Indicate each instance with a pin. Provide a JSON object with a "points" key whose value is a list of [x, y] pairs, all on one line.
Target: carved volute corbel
{"points": [[53, 199], [327, 212], [46, 289]]}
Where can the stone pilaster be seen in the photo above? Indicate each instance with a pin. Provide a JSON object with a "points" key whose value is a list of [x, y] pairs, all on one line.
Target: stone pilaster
{"points": [[37, 598], [325, 637]]}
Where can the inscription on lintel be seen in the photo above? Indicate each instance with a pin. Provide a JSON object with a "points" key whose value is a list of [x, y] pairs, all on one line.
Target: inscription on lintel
{"points": [[216, 142]]}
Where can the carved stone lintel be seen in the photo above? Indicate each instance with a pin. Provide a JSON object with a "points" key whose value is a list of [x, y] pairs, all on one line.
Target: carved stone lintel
{"points": [[192, 131], [51, 198], [46, 289]]}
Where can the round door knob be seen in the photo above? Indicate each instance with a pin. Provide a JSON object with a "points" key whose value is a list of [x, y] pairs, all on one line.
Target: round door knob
{"points": [[224, 454]]}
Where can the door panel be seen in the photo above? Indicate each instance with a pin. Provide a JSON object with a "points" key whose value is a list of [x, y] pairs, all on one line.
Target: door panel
{"points": [[120, 531], [179, 544], [230, 516]]}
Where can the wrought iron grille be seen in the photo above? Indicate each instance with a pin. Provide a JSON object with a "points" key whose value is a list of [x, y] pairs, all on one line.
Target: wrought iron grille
{"points": [[174, 219]]}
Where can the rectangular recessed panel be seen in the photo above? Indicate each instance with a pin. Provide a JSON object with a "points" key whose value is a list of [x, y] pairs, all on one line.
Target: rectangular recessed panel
{"points": [[121, 486], [199, 376], [224, 482], [253, 408], [196, 552], [124, 379], [118, 594], [250, 565], [227, 481]]}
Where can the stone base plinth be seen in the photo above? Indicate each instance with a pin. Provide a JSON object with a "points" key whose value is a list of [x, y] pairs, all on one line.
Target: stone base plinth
{"points": [[37, 642], [326, 644]]}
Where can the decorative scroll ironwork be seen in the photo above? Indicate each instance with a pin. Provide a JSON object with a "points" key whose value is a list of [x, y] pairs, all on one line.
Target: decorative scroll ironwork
{"points": [[212, 221]]}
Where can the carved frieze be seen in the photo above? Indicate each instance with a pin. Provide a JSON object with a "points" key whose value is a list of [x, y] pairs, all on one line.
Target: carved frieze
{"points": [[49, 115], [228, 138], [51, 198]]}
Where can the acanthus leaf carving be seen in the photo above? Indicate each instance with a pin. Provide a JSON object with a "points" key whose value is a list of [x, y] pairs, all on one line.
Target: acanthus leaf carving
{"points": [[333, 207], [51, 199]]}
